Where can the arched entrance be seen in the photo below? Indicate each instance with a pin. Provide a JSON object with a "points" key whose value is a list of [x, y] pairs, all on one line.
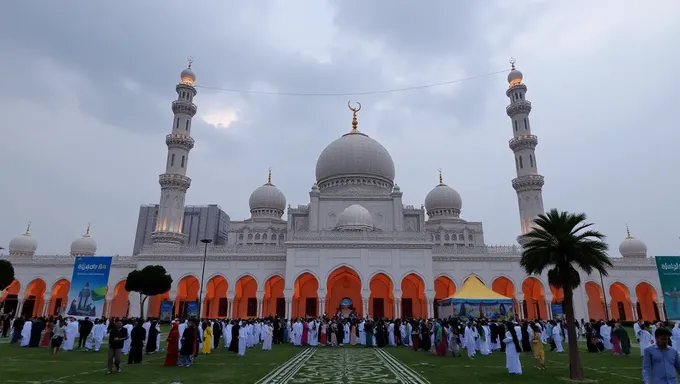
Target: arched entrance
{"points": [[595, 301], [34, 302], [620, 307], [120, 302], [154, 305], [381, 299], [505, 287], [187, 292], [215, 302], [10, 297], [343, 289], [646, 306], [274, 303], [443, 287], [413, 302], [59, 300], [306, 297], [534, 299], [245, 300]]}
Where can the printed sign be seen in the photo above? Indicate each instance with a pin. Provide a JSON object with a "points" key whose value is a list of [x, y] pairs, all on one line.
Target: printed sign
{"points": [[89, 284], [668, 268]]}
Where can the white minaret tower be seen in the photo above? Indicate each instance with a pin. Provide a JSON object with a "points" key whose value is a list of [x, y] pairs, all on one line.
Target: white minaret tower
{"points": [[528, 183], [174, 182]]}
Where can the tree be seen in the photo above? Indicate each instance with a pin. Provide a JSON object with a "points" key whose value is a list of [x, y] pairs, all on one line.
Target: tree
{"points": [[6, 274], [150, 281], [563, 243]]}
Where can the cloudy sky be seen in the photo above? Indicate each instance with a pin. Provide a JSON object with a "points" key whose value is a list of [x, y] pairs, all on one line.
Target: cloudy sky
{"points": [[87, 88]]}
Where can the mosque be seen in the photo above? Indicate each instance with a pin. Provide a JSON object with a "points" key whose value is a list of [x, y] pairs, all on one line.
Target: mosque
{"points": [[355, 246]]}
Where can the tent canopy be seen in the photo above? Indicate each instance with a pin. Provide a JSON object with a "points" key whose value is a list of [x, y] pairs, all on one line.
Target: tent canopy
{"points": [[474, 289]]}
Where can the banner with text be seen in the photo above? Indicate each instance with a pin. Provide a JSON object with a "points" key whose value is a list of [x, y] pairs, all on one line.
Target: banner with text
{"points": [[668, 268], [166, 311], [88, 286]]}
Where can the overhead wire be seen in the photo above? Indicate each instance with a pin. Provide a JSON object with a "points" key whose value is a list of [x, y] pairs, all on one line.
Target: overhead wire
{"points": [[363, 93]]}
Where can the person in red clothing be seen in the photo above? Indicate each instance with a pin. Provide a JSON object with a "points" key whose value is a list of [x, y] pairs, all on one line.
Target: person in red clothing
{"points": [[45, 342], [173, 346]]}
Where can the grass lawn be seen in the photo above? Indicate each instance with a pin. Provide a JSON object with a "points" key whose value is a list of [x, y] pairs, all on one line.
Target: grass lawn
{"points": [[287, 364]]}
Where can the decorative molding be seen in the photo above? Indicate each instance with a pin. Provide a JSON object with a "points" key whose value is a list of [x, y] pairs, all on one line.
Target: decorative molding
{"points": [[174, 181], [162, 249], [453, 249], [515, 87], [518, 106], [211, 257], [174, 140], [169, 237], [354, 186], [183, 106], [528, 183], [353, 245], [523, 142], [360, 236]]}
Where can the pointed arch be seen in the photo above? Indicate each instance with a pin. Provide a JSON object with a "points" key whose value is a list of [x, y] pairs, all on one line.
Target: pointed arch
{"points": [[215, 301], [305, 296], [187, 292], [120, 303], [342, 283], [620, 307], [506, 287], [274, 302], [443, 287], [413, 302], [34, 299], [10, 296], [647, 299], [245, 299], [595, 295], [59, 297], [381, 298], [534, 299]]}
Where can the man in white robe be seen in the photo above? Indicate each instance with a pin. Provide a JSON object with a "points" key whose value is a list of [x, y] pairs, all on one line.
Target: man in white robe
{"points": [[127, 343], [313, 338], [390, 335], [267, 333], [362, 341], [146, 326], [26, 333], [470, 340], [606, 333], [99, 332], [675, 336], [242, 335], [297, 333], [402, 333], [181, 329], [71, 332], [557, 337], [227, 334]]}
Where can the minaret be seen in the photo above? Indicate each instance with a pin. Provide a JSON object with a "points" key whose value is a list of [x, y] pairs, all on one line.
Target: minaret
{"points": [[174, 182], [528, 184]]}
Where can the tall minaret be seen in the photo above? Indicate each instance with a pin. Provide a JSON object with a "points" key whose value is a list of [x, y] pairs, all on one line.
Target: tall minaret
{"points": [[528, 182], [174, 182]]}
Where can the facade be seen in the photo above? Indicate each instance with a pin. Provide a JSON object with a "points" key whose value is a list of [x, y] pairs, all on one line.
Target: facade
{"points": [[355, 246]]}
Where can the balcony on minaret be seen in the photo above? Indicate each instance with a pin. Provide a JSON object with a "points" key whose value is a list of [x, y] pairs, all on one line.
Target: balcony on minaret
{"points": [[183, 106], [519, 106], [174, 140], [170, 180], [523, 142], [531, 182]]}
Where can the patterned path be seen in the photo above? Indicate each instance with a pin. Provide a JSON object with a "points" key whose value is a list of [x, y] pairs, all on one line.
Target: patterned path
{"points": [[343, 365]]}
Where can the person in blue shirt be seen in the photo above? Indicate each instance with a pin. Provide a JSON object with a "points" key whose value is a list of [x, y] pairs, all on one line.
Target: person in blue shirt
{"points": [[660, 364]]}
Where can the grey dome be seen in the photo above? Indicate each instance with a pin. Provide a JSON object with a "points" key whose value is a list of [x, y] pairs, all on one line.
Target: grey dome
{"points": [[515, 76], [188, 76], [355, 218], [267, 198], [355, 154], [631, 247], [443, 197], [84, 246], [24, 244]]}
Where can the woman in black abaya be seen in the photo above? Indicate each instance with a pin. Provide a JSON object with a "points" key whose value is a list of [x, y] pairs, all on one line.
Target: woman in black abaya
{"points": [[152, 343]]}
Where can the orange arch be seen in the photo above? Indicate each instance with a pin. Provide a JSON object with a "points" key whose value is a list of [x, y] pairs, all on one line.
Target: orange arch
{"points": [[187, 292], [505, 287], [10, 298], [154, 304], [557, 294], [216, 292], [59, 297], [274, 302], [595, 301], [646, 296], [381, 299], [620, 307], [245, 300], [120, 302], [34, 301], [12, 289], [306, 288], [413, 290], [443, 287], [343, 282], [534, 299]]}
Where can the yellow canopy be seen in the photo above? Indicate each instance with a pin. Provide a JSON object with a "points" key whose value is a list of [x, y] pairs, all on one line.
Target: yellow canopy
{"points": [[474, 289]]}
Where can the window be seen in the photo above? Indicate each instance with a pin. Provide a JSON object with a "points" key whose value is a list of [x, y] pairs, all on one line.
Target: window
{"points": [[250, 236], [406, 307], [264, 237], [177, 123], [172, 160], [281, 307], [446, 237], [526, 124], [531, 161], [252, 307], [186, 126], [240, 237], [521, 165], [310, 306], [182, 161], [257, 237], [470, 238], [378, 308], [222, 307], [516, 164], [515, 122]]}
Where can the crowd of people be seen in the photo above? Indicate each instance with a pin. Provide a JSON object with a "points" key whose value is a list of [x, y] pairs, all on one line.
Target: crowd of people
{"points": [[189, 338]]}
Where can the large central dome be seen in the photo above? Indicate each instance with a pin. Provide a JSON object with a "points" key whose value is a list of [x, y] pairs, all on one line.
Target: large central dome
{"points": [[355, 156]]}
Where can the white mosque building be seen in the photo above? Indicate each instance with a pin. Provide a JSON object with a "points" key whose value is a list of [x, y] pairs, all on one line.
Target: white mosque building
{"points": [[354, 246]]}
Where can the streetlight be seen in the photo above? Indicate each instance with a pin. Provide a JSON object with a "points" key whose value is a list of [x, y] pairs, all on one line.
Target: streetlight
{"points": [[604, 296], [205, 255]]}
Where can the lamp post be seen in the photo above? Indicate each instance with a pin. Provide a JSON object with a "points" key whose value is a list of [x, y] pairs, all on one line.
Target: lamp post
{"points": [[205, 256], [604, 296]]}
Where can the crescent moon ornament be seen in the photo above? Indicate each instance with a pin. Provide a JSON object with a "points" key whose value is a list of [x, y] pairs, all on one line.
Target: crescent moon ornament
{"points": [[190, 60], [354, 109]]}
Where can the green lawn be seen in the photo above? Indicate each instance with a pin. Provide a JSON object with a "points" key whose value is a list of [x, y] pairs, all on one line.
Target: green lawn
{"points": [[34, 365]]}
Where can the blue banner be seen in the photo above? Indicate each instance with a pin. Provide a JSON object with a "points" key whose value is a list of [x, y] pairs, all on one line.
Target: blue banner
{"points": [[166, 311], [89, 284], [192, 309], [557, 310], [668, 268]]}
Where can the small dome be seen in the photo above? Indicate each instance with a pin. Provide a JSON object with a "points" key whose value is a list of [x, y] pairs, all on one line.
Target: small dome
{"points": [[24, 244], [188, 77], [355, 154], [84, 246], [355, 218], [443, 201], [267, 199], [632, 247], [514, 77]]}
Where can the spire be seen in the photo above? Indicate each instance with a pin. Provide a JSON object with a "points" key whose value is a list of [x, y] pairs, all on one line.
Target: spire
{"points": [[512, 63], [441, 179], [628, 236], [355, 122], [269, 178], [28, 228], [190, 61], [87, 232]]}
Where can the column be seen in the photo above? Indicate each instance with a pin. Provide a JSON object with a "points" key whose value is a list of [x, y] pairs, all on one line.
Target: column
{"points": [[230, 308], [259, 307], [47, 300], [289, 308], [659, 306], [633, 304], [322, 305], [430, 308], [520, 306], [20, 307], [364, 304], [548, 309]]}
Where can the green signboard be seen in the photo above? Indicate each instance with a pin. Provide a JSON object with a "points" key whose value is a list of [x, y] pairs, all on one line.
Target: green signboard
{"points": [[668, 268]]}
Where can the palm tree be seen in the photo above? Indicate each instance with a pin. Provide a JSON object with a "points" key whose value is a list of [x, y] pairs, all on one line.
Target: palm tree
{"points": [[563, 243]]}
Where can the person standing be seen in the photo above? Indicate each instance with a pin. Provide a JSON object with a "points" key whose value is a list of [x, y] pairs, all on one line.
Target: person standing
{"points": [[137, 337], [537, 347], [660, 363], [84, 329], [173, 349], [58, 336], [117, 337]]}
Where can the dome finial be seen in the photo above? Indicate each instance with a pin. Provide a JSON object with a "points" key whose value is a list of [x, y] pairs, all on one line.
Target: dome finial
{"points": [[87, 231], [190, 60], [512, 63], [354, 110], [628, 236], [269, 178], [441, 179], [28, 228]]}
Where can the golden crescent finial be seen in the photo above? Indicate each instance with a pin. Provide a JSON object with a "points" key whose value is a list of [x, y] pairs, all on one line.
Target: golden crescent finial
{"points": [[269, 178], [628, 236], [87, 232], [28, 228], [354, 110], [441, 179], [512, 62], [191, 61]]}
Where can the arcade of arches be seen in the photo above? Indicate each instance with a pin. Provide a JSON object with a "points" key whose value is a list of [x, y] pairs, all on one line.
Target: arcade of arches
{"points": [[343, 293]]}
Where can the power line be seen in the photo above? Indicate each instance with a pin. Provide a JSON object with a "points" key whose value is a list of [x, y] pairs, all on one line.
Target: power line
{"points": [[393, 90]]}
